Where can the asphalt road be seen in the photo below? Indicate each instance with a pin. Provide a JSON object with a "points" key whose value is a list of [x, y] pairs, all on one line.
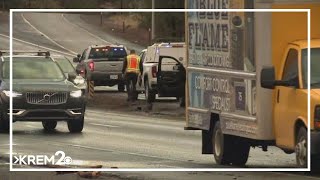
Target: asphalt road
{"points": [[117, 135]]}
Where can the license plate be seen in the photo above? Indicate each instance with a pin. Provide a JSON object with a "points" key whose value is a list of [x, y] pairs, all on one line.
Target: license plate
{"points": [[113, 76]]}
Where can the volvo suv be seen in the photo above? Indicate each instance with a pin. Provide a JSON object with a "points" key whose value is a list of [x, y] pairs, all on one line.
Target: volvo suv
{"points": [[40, 92]]}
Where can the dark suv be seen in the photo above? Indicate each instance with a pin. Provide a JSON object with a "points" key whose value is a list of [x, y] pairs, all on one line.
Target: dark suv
{"points": [[40, 92], [103, 65]]}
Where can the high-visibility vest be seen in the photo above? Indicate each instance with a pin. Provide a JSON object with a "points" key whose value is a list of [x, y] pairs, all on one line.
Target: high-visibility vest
{"points": [[133, 62]]}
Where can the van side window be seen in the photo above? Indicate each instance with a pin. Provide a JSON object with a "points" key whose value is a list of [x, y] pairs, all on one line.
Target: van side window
{"points": [[291, 67]]}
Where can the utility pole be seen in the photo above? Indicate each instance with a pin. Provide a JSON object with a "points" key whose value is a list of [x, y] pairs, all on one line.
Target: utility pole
{"points": [[100, 18], [123, 24], [152, 21]]}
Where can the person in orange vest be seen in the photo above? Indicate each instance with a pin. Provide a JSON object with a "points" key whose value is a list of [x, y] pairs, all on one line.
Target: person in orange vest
{"points": [[132, 69]]}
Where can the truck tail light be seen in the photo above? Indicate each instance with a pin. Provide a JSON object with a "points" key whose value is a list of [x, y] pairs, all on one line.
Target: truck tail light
{"points": [[91, 65], [154, 71], [82, 72], [317, 118]]}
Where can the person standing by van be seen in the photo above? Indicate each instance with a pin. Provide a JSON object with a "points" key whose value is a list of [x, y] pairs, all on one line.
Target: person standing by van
{"points": [[131, 71]]}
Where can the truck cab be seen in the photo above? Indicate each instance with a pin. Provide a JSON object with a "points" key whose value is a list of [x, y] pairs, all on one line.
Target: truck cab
{"points": [[291, 102]]}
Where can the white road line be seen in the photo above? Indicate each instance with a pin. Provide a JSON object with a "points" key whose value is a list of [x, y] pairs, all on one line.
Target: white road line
{"points": [[7, 144], [38, 46], [46, 35], [123, 152], [75, 25], [104, 125]]}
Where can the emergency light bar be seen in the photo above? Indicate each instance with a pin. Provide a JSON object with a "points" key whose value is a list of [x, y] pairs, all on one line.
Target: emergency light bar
{"points": [[38, 53]]}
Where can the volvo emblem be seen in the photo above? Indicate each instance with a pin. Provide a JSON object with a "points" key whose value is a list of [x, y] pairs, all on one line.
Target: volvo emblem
{"points": [[46, 97]]}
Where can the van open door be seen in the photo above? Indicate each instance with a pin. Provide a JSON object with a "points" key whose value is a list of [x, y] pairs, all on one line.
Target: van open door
{"points": [[171, 77]]}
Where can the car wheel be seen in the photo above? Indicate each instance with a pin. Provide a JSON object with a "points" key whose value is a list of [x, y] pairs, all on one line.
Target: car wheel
{"points": [[4, 123], [121, 87], [315, 163], [76, 125], [49, 125], [150, 96], [301, 147], [135, 95]]}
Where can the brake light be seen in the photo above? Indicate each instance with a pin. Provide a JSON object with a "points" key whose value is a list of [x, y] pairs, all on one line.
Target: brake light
{"points": [[82, 73], [91, 65], [154, 71]]}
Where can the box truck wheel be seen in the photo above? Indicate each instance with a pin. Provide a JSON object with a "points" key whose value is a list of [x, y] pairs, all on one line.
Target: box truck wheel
{"points": [[241, 154], [229, 149], [301, 147], [221, 146]]}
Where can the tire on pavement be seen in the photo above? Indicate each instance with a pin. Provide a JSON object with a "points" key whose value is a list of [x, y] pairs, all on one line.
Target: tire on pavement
{"points": [[76, 125], [4, 123], [228, 149], [301, 147], [150, 95], [121, 87], [49, 125], [315, 163]]}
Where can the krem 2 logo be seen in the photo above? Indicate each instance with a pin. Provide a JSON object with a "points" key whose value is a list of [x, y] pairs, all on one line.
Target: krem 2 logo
{"points": [[62, 159]]}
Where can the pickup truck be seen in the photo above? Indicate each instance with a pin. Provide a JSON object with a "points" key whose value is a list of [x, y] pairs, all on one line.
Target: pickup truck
{"points": [[163, 70], [102, 64]]}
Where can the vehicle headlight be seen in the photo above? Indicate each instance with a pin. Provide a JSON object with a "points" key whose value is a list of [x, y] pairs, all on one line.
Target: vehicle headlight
{"points": [[13, 93], [76, 94], [79, 81]]}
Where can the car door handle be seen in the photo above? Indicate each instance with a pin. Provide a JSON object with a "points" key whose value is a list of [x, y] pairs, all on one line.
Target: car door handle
{"points": [[278, 95]]}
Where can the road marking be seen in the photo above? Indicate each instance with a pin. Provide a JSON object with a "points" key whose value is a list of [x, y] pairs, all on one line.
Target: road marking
{"points": [[38, 46], [105, 125], [76, 25], [123, 152], [46, 35], [8, 144], [295, 175]]}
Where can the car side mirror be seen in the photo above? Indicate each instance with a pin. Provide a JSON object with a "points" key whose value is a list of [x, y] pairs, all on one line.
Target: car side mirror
{"points": [[267, 78], [293, 82], [76, 60]]}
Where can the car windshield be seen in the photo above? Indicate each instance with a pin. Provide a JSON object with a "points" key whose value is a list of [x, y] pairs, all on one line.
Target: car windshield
{"points": [[65, 65], [39, 68], [314, 65], [108, 52]]}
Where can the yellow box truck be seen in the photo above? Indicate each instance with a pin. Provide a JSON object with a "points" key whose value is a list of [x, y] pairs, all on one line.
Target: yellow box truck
{"points": [[247, 78]]}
